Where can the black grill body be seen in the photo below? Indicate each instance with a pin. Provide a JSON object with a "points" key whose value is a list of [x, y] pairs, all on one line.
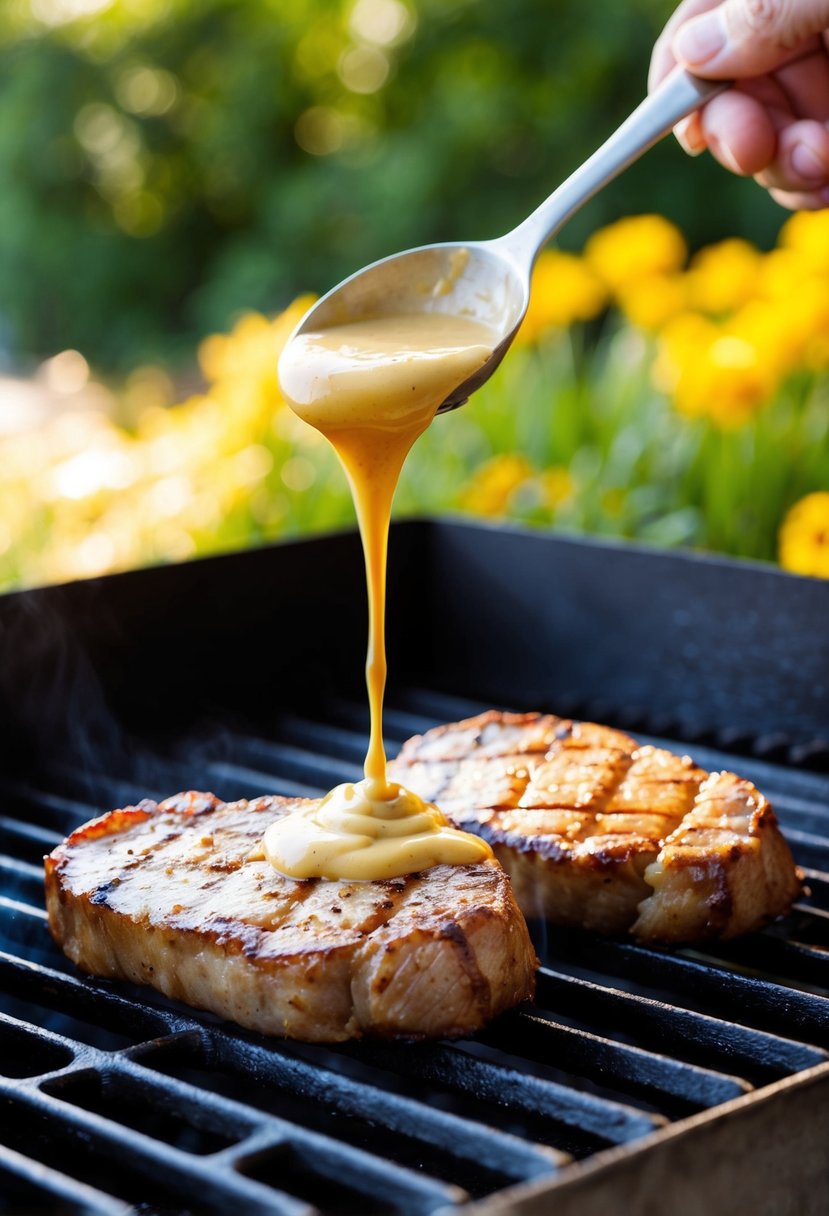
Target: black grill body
{"points": [[640, 1080]]}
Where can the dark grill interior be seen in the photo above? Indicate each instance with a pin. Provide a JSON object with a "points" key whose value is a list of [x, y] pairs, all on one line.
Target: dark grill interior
{"points": [[116, 1100]]}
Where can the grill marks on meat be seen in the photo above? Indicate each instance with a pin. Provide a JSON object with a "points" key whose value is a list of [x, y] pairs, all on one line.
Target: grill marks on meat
{"points": [[601, 833], [726, 869], [178, 895]]}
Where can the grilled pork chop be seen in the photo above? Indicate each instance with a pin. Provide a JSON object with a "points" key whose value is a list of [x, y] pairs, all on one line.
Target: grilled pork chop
{"points": [[178, 895], [599, 832]]}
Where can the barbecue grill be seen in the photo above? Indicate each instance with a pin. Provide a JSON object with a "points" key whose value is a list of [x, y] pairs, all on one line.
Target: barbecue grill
{"points": [[685, 1081]]}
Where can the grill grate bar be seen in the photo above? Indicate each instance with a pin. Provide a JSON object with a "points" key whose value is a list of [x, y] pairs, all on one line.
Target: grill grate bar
{"points": [[608, 1121], [85, 998], [101, 792], [815, 918], [425, 705], [808, 849], [681, 1031], [32, 801], [402, 1189], [668, 1083], [407, 1190], [398, 722], [236, 781], [607, 1062], [808, 926], [267, 757], [17, 907], [817, 883], [26, 1051], [799, 814], [95, 1071], [758, 1002], [813, 915], [314, 735], [244, 782], [324, 1179], [18, 869], [24, 1181], [27, 836], [773, 956], [183, 1174], [516, 1159], [22, 880]]}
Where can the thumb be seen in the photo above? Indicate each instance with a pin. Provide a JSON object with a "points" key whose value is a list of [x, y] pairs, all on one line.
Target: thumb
{"points": [[741, 38]]}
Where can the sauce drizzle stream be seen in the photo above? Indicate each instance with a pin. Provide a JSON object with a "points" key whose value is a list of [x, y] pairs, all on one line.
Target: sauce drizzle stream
{"points": [[372, 387]]}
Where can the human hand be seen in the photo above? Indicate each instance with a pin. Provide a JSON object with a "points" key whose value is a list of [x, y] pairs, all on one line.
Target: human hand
{"points": [[773, 125]]}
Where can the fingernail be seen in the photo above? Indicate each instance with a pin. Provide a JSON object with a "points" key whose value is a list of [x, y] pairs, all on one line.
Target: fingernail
{"points": [[807, 163], [687, 147], [725, 154], [683, 132], [699, 40], [731, 160]]}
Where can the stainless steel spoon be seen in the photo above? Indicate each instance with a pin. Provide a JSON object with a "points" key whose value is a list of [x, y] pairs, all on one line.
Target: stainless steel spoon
{"points": [[489, 281]]}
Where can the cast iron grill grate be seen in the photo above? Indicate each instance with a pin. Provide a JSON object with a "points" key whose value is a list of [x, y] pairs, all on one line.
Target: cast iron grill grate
{"points": [[117, 1100]]}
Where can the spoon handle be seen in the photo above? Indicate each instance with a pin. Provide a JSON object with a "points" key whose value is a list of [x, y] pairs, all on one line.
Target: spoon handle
{"points": [[679, 94]]}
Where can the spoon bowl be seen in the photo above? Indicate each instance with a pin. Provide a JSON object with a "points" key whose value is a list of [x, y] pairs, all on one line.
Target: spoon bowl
{"points": [[489, 281], [478, 280]]}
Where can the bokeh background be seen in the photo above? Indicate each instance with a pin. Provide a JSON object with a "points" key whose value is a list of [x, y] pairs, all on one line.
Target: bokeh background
{"points": [[179, 177]]}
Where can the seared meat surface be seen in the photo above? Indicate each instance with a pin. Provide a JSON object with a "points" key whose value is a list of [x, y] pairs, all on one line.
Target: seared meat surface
{"points": [[179, 895], [599, 832]]}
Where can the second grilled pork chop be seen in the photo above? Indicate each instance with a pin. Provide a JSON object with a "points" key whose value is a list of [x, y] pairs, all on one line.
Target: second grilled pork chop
{"points": [[178, 895], [599, 832]]}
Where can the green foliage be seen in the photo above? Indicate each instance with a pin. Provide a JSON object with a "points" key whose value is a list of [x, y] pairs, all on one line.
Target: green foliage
{"points": [[635, 469], [165, 165]]}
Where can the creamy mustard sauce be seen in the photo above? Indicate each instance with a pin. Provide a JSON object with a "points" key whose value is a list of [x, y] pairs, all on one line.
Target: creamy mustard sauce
{"points": [[372, 387]]}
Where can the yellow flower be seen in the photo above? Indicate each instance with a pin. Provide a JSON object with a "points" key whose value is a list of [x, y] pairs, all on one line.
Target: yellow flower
{"points": [[722, 277], [493, 484], [783, 272], [713, 371], [681, 339], [775, 332], [807, 233], [97, 498], [740, 379], [652, 300], [241, 366], [804, 536], [248, 348], [795, 283], [564, 290], [285, 322], [792, 331], [634, 247]]}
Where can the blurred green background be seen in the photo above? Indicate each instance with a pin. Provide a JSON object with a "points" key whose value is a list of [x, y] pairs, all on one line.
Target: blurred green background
{"points": [[177, 175], [166, 164]]}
